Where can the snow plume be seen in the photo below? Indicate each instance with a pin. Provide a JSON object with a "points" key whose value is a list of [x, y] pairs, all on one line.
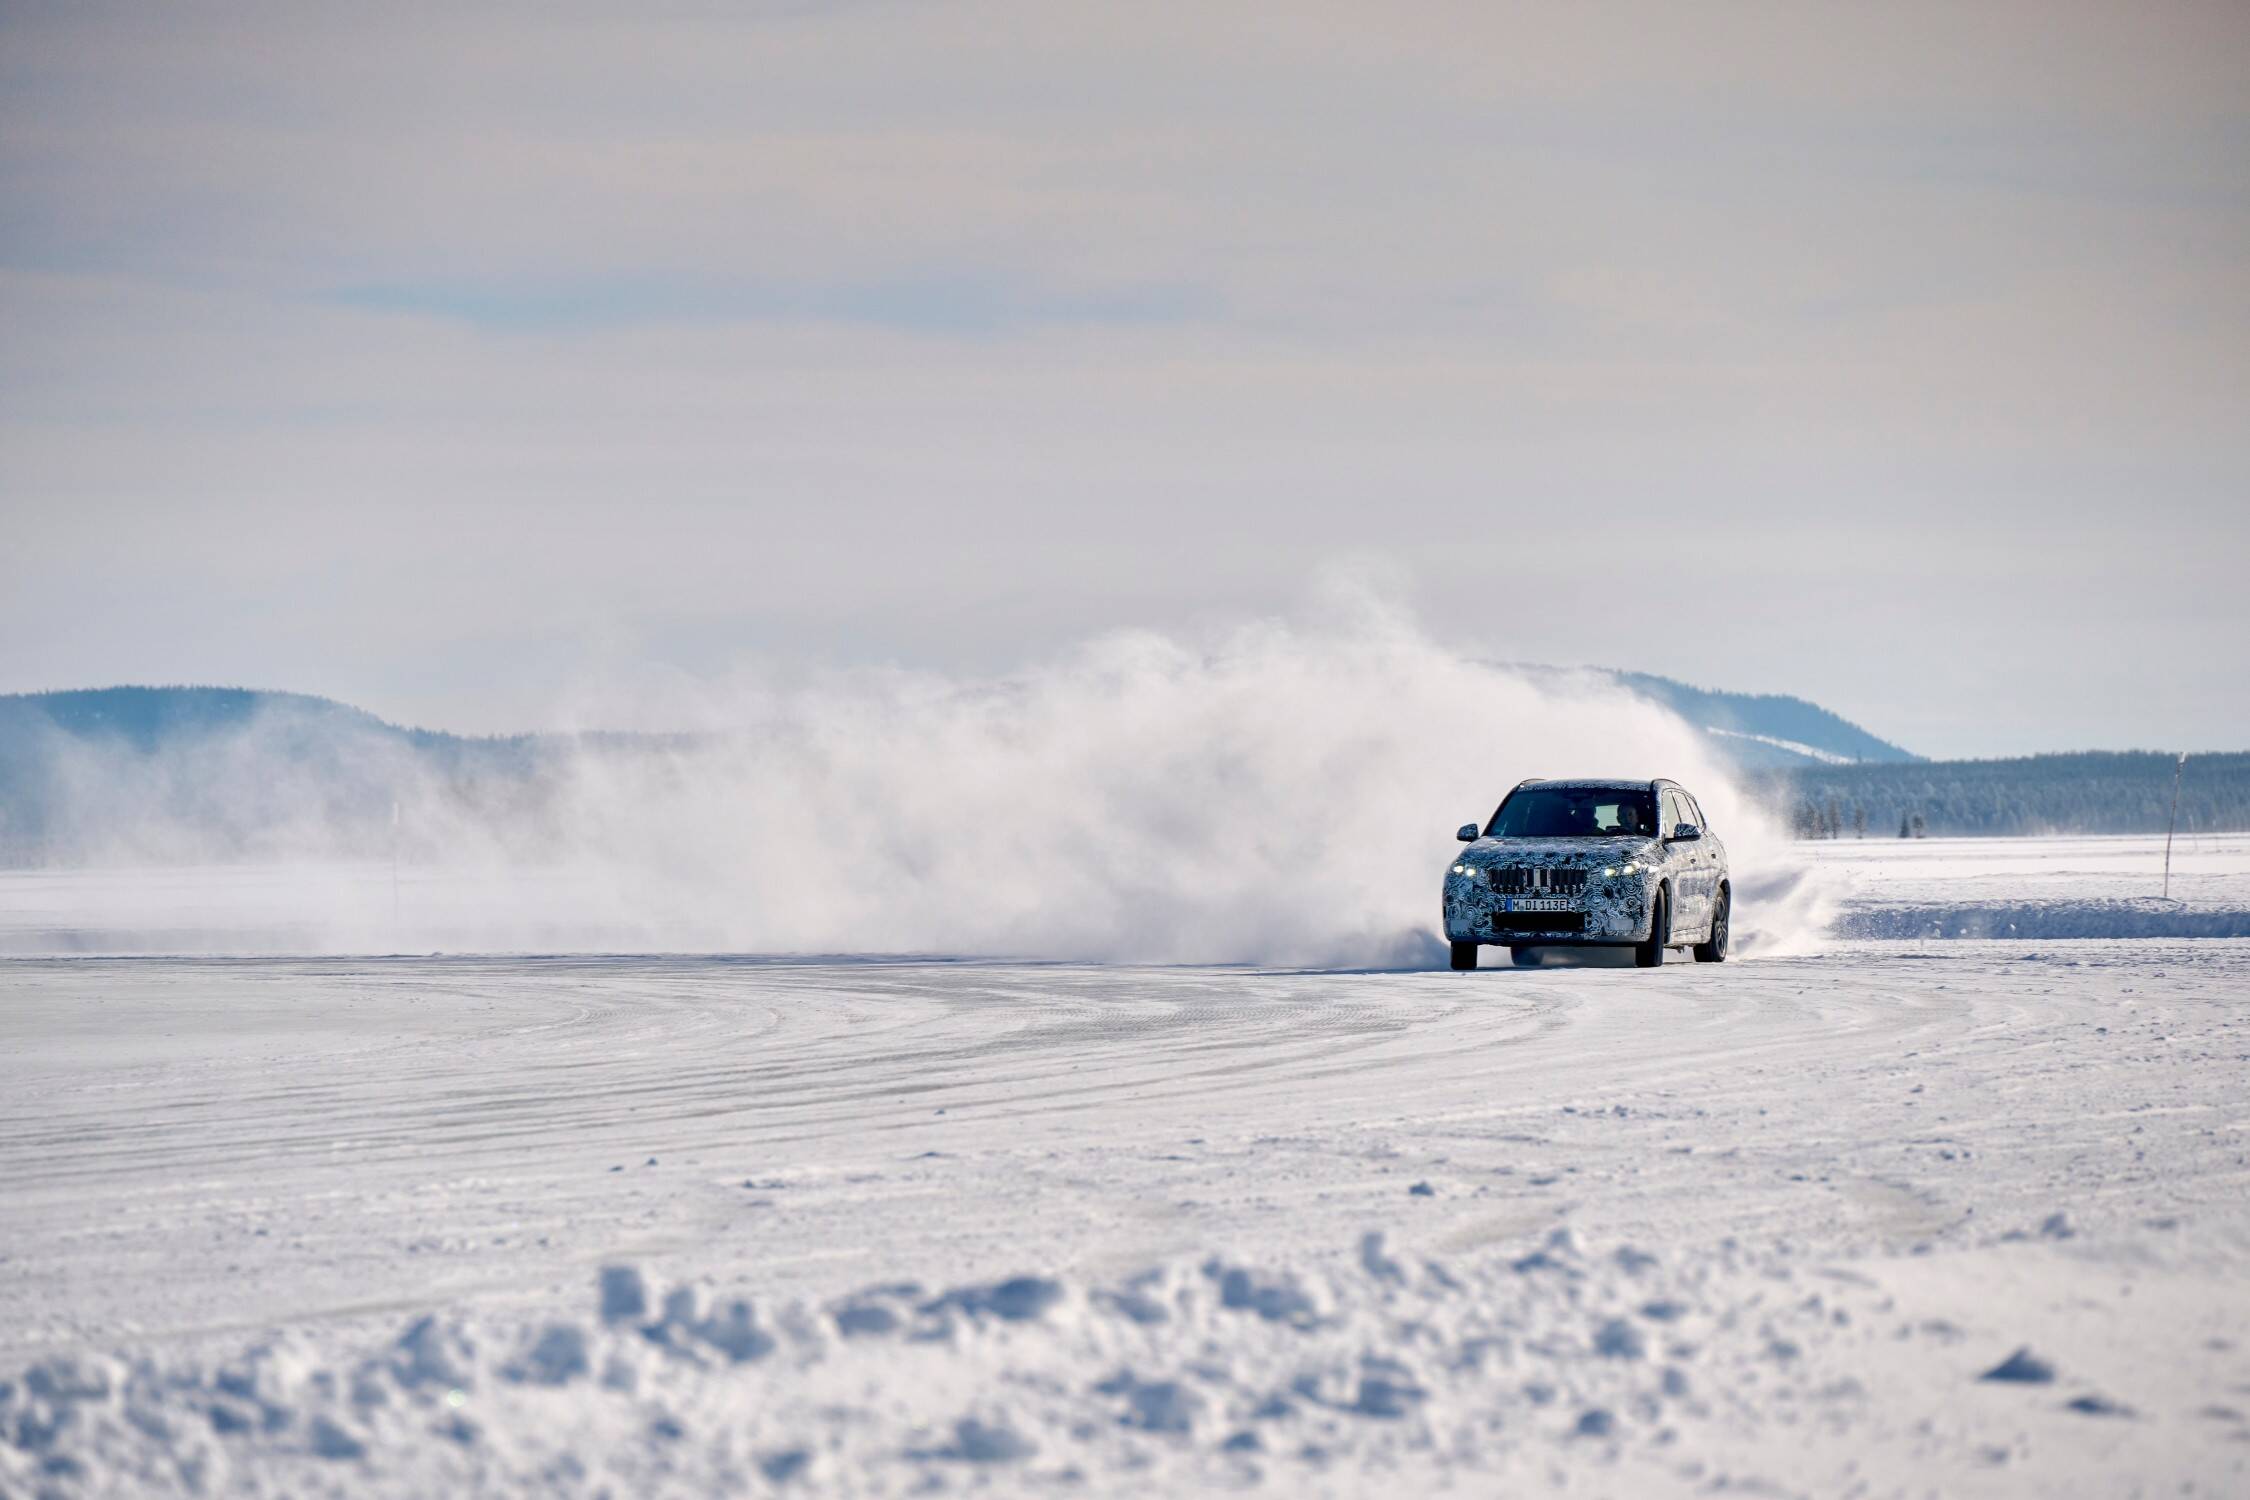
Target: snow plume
{"points": [[1276, 792]]}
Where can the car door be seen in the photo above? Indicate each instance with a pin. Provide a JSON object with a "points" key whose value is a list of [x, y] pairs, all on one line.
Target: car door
{"points": [[1711, 851], [1690, 898], [1704, 852]]}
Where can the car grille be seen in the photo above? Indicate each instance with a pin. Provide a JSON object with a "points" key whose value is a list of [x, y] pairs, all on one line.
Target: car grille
{"points": [[1535, 880], [1538, 921]]}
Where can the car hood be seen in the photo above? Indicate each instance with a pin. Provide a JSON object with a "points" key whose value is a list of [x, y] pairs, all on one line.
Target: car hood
{"points": [[1562, 854]]}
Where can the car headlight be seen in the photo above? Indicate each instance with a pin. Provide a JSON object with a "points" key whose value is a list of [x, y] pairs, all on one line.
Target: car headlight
{"points": [[1632, 869], [1468, 870]]}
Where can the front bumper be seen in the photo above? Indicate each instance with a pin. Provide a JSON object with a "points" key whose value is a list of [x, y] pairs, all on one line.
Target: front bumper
{"points": [[1608, 911]]}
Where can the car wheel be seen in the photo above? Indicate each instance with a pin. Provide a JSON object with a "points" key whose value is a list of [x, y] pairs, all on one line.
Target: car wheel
{"points": [[1464, 955], [1715, 950], [1650, 955], [1522, 957]]}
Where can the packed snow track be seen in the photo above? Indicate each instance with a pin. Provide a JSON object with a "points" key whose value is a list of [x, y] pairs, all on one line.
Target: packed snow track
{"points": [[660, 1225]]}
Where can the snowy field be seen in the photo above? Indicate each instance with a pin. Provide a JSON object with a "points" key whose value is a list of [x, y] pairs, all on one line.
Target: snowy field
{"points": [[2033, 888], [1905, 1217]]}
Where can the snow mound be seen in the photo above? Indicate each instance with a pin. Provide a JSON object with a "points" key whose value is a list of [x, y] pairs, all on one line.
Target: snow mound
{"points": [[2044, 920], [1216, 1372]]}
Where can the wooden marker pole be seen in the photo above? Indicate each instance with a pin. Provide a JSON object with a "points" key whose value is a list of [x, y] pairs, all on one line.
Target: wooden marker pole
{"points": [[2174, 824]]}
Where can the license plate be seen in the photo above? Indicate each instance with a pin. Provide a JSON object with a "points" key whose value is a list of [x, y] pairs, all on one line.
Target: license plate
{"points": [[1539, 903]]}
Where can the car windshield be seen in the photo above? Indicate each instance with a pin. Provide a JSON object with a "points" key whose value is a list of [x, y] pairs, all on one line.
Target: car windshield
{"points": [[1574, 812]]}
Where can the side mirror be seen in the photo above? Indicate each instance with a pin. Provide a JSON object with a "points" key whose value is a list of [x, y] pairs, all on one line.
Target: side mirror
{"points": [[1468, 833], [1685, 833]]}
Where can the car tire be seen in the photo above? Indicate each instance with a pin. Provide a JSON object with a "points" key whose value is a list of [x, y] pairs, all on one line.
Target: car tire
{"points": [[1522, 957], [1464, 956], [1714, 949], [1650, 955]]}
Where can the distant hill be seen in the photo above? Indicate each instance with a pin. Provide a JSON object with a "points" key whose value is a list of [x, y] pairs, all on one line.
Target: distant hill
{"points": [[145, 717], [177, 774], [1752, 730], [1767, 729], [220, 771]]}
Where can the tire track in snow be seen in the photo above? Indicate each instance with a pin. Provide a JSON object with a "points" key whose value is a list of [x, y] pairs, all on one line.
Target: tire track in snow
{"points": [[410, 1128]]}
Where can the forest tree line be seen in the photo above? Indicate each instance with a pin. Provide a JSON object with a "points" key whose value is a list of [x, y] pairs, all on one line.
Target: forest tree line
{"points": [[2086, 792]]}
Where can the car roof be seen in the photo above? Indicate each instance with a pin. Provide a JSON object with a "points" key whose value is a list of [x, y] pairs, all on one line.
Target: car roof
{"points": [[1600, 783]]}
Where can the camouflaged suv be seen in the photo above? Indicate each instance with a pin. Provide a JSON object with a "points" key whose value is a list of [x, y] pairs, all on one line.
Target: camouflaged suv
{"points": [[1628, 864]]}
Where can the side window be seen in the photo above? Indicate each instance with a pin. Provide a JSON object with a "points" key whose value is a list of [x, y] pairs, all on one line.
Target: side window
{"points": [[1671, 812], [1694, 812]]}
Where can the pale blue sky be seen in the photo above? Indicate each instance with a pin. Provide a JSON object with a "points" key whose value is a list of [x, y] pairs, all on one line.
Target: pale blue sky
{"points": [[434, 358]]}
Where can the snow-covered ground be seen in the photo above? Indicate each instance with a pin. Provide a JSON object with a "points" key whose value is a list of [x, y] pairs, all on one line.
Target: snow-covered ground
{"points": [[682, 1225], [2039, 888], [2208, 870]]}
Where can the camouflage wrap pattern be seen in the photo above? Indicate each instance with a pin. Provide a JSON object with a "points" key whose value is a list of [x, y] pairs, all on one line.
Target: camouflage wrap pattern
{"points": [[1616, 906]]}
